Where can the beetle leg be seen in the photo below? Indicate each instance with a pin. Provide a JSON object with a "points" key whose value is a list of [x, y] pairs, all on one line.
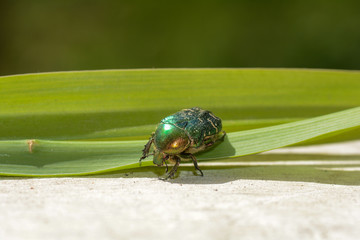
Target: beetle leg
{"points": [[167, 168], [196, 164], [193, 158], [210, 141], [147, 148], [164, 162], [222, 137], [173, 170]]}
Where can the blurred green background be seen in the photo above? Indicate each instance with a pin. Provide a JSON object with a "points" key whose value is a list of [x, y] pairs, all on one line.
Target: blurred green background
{"points": [[42, 35]]}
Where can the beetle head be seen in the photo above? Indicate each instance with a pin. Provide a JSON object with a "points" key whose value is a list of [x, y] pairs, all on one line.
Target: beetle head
{"points": [[171, 139], [159, 158]]}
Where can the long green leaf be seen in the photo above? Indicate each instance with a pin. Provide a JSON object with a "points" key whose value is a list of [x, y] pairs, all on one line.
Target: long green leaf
{"points": [[58, 158]]}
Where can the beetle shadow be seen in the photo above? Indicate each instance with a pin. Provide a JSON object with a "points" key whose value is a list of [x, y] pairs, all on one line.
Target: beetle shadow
{"points": [[316, 168]]}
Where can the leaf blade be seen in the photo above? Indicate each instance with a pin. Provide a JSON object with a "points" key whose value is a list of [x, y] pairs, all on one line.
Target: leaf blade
{"points": [[70, 158]]}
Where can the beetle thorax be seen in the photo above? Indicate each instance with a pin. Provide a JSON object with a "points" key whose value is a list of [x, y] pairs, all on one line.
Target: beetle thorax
{"points": [[171, 139]]}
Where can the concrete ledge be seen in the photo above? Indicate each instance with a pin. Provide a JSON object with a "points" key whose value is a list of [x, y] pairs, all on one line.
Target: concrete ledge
{"points": [[293, 193]]}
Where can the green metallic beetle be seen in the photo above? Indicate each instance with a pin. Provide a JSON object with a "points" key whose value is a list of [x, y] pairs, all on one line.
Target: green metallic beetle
{"points": [[179, 136]]}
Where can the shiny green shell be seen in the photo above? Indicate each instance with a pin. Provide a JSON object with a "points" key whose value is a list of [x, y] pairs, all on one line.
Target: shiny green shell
{"points": [[195, 122]]}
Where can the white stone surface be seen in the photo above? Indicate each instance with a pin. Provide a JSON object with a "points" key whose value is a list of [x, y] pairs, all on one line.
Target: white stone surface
{"points": [[241, 202]]}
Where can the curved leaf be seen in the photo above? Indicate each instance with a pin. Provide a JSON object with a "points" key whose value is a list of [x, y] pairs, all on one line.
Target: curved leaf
{"points": [[58, 158]]}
